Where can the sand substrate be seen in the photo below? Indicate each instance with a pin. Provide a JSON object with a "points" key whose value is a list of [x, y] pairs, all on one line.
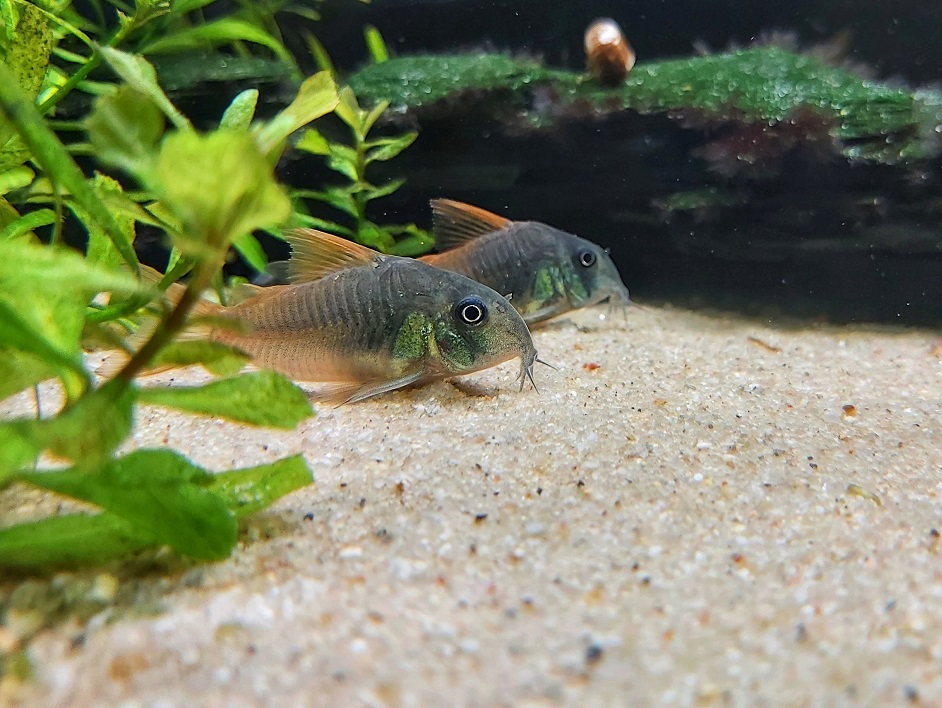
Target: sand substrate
{"points": [[692, 510]]}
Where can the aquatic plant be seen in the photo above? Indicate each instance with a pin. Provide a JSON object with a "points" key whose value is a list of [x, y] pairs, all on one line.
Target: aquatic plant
{"points": [[205, 192], [352, 161]]}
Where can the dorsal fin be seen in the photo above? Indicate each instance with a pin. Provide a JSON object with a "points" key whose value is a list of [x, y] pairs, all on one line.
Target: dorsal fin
{"points": [[315, 254], [456, 223]]}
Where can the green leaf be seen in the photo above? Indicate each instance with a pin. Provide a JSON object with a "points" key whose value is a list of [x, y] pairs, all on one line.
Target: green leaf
{"points": [[313, 222], [251, 250], [93, 427], [374, 115], [222, 31], [415, 244], [101, 251], [313, 142], [141, 76], [27, 52], [259, 398], [22, 370], [20, 335], [316, 97], [248, 491], [158, 492], [387, 189], [44, 291], [391, 147], [375, 44], [124, 129], [218, 358], [85, 432], [15, 178], [320, 55], [25, 224], [18, 449], [348, 110], [343, 159], [55, 160], [181, 7], [70, 541], [240, 112], [220, 187], [338, 197]]}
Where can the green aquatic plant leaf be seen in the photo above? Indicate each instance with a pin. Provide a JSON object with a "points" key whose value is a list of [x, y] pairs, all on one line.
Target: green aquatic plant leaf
{"points": [[344, 159], [259, 398], [388, 148], [375, 44], [220, 187], [222, 31], [251, 250], [16, 178], [79, 540], [387, 189], [101, 250], [70, 541], [52, 156], [86, 432], [248, 491], [313, 142], [159, 492], [21, 371], [241, 111], [44, 292], [316, 97], [24, 225], [220, 359], [26, 46], [348, 110], [140, 75], [124, 129]]}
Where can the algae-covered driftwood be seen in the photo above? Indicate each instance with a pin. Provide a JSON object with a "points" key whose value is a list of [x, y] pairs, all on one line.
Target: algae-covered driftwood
{"points": [[771, 86]]}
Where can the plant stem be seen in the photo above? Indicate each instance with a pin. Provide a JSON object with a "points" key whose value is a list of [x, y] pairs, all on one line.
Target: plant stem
{"points": [[173, 323], [88, 67], [360, 198]]}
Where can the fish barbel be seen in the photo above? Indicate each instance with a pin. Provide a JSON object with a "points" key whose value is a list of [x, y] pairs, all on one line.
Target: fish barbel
{"points": [[543, 271], [366, 323]]}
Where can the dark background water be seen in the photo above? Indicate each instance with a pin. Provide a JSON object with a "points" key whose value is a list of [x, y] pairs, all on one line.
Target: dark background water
{"points": [[829, 240]]}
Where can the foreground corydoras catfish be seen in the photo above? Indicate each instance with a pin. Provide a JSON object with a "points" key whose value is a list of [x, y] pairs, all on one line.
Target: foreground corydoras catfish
{"points": [[543, 271], [367, 323]]}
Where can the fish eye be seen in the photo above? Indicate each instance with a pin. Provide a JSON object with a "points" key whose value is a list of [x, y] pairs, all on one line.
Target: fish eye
{"points": [[587, 258], [471, 311]]}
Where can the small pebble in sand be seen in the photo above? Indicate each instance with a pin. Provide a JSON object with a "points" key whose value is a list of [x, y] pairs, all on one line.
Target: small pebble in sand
{"points": [[350, 552], [850, 410]]}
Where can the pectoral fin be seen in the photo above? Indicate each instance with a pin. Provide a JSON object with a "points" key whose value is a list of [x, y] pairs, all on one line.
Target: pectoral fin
{"points": [[340, 393]]}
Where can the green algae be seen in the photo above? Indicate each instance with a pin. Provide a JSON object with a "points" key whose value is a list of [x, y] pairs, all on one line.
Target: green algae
{"points": [[767, 85]]}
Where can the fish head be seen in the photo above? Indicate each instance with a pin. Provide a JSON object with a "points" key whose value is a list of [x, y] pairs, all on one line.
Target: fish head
{"points": [[476, 328], [589, 274]]}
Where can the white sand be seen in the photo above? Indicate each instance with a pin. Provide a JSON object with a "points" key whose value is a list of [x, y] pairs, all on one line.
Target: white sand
{"points": [[674, 526]]}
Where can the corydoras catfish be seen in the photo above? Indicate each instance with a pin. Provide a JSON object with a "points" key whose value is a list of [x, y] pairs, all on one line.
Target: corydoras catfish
{"points": [[366, 323], [543, 271]]}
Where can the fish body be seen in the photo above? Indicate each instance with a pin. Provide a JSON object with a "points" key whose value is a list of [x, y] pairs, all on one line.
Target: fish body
{"points": [[543, 271], [365, 323]]}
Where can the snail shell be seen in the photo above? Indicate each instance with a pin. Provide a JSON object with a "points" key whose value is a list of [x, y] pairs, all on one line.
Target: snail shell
{"points": [[609, 55]]}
